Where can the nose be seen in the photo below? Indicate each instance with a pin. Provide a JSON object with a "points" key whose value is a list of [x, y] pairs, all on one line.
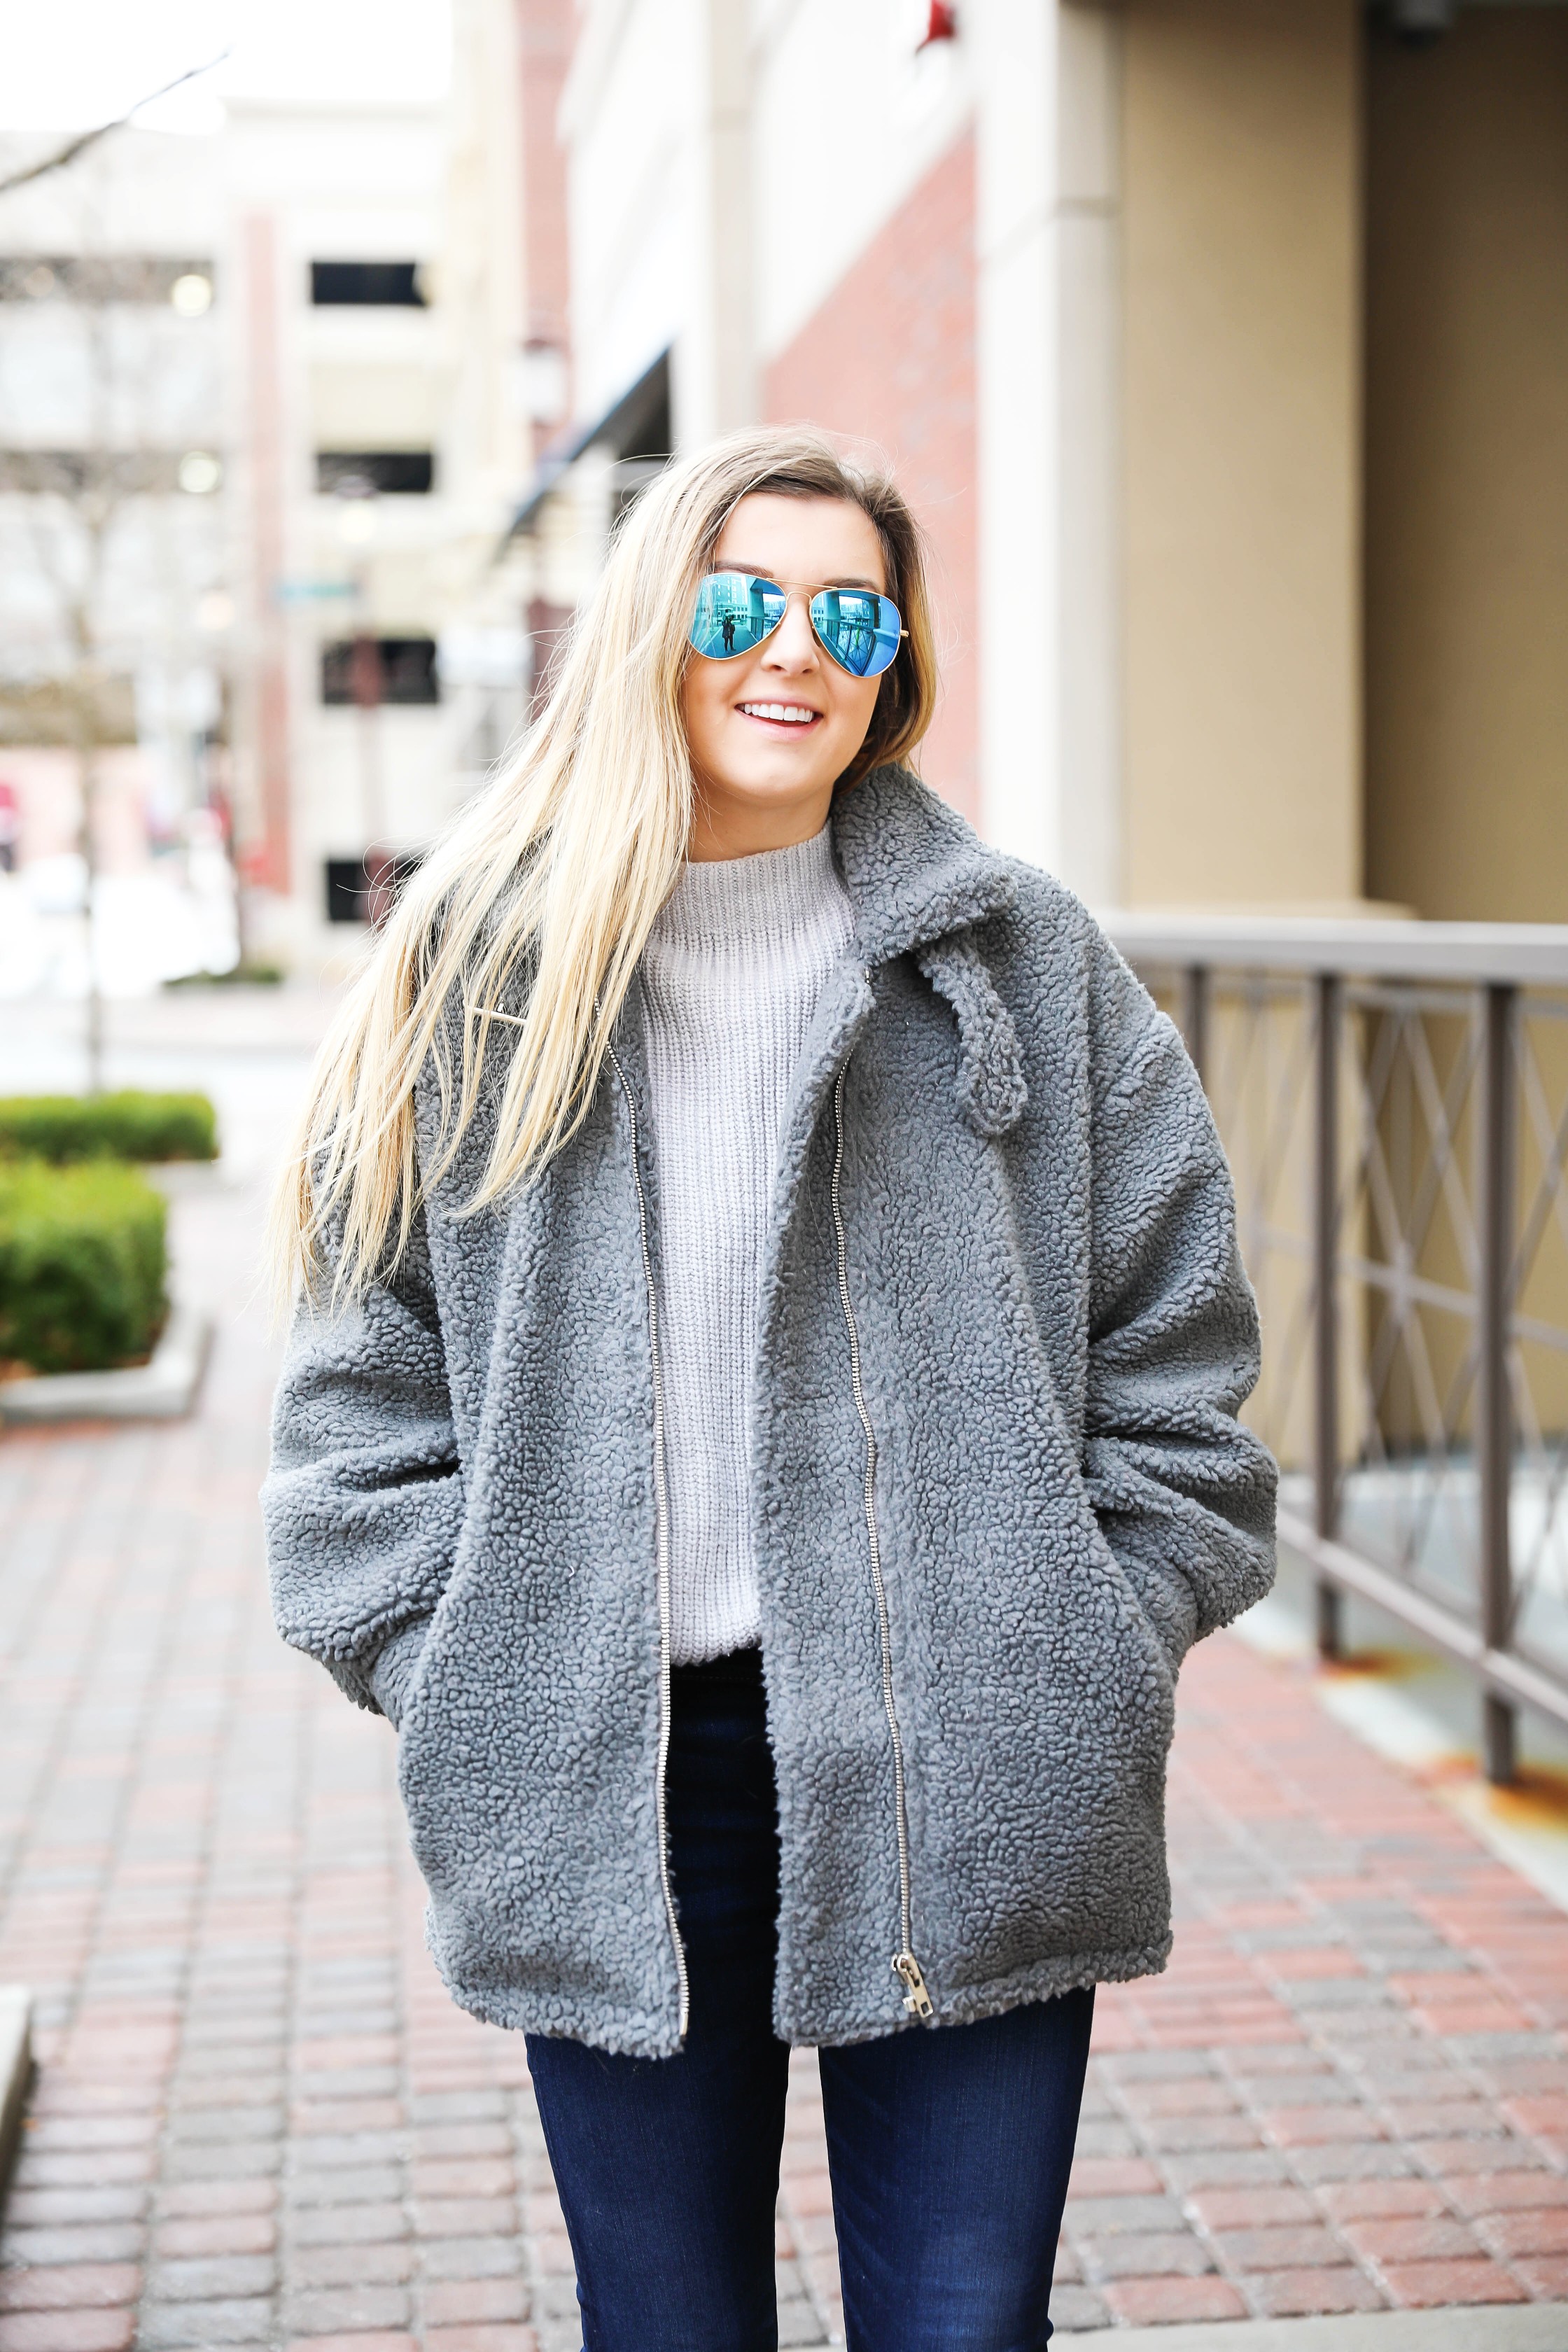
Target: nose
{"points": [[793, 645]]}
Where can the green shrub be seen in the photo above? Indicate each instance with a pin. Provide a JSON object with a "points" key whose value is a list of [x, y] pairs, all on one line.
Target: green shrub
{"points": [[83, 1265], [128, 1126], [238, 975]]}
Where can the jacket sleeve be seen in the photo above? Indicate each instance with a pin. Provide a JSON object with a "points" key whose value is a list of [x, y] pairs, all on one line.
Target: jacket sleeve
{"points": [[364, 1501], [1184, 1493]]}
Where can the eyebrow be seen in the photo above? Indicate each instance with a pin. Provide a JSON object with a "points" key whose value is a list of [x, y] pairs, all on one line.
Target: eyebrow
{"points": [[760, 572]]}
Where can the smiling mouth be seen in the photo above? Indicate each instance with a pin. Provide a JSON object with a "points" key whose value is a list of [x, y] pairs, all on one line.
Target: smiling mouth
{"points": [[780, 714]]}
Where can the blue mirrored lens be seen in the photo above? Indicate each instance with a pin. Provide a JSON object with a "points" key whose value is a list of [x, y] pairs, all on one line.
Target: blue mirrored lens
{"points": [[860, 630], [734, 613]]}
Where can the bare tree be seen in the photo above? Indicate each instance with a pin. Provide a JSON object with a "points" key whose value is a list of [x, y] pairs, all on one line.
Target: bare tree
{"points": [[100, 507], [60, 159]]}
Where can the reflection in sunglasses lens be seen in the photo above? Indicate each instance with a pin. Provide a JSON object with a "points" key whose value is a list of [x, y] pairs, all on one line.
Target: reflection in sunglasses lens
{"points": [[734, 613], [859, 630]]}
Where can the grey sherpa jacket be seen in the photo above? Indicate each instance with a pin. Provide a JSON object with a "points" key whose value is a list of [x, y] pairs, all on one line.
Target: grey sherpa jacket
{"points": [[999, 1486]]}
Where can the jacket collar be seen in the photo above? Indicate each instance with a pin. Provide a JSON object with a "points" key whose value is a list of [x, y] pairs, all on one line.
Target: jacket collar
{"points": [[914, 869]]}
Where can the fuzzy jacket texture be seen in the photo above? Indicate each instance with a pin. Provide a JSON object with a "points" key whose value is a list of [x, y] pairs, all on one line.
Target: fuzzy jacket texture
{"points": [[1055, 1334]]}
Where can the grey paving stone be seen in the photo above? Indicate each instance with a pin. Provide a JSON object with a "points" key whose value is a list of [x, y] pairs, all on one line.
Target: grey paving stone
{"points": [[103, 2242], [384, 2263], [321, 2151], [430, 2140], [343, 2024], [85, 2167], [1370, 2159], [1180, 2134], [37, 2208], [1077, 2307], [1483, 2046], [346, 2082], [341, 2311], [347, 2225], [165, 2325], [346, 2184], [471, 2257], [225, 2122], [1301, 2246], [1298, 2089], [1165, 2253], [1223, 2167], [556, 2298], [1370, 2061], [798, 2322], [212, 2278], [1099, 2216], [243, 2160], [265, 2086], [1332, 1994], [1262, 2060], [1106, 2139], [459, 2107], [1155, 2065]]}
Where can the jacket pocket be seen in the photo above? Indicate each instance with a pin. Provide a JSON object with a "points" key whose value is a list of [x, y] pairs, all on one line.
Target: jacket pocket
{"points": [[394, 1670]]}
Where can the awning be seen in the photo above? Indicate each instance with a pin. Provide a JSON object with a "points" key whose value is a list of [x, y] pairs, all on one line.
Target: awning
{"points": [[637, 424]]}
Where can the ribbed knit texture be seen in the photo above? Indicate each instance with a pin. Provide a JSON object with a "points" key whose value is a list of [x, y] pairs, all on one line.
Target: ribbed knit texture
{"points": [[732, 976]]}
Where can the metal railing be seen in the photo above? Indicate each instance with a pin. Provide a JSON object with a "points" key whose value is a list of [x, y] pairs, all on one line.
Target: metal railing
{"points": [[1394, 1097]]}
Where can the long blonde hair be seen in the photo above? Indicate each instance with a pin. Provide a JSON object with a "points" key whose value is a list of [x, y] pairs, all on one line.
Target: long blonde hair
{"points": [[555, 874]]}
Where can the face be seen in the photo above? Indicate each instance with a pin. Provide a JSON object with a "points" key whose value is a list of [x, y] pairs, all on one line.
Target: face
{"points": [[772, 731]]}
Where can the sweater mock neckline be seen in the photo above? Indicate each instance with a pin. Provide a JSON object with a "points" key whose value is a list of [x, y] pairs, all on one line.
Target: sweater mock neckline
{"points": [[732, 902]]}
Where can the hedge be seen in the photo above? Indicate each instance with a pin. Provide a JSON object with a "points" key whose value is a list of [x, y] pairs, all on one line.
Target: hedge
{"points": [[128, 1126], [83, 1259]]}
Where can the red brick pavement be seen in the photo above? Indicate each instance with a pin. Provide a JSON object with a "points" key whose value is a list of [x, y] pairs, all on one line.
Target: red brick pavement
{"points": [[259, 2119]]}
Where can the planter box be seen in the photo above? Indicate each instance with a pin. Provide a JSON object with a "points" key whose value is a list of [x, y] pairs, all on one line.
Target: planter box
{"points": [[164, 1390]]}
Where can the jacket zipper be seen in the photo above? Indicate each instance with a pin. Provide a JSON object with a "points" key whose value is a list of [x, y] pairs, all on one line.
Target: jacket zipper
{"points": [[661, 1548], [906, 1967]]}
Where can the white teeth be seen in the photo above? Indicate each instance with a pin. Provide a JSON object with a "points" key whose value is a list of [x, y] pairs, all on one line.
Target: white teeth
{"points": [[793, 713]]}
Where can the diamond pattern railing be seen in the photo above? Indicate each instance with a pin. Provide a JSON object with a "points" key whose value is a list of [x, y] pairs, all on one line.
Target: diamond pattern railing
{"points": [[1393, 1099]]}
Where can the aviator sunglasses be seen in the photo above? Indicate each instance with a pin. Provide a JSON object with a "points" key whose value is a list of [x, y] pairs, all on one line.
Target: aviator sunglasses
{"points": [[735, 611]]}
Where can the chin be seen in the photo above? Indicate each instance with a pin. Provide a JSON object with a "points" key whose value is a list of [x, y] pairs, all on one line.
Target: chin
{"points": [[785, 782]]}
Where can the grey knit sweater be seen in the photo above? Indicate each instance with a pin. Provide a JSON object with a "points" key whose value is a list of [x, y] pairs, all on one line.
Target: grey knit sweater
{"points": [[731, 977]]}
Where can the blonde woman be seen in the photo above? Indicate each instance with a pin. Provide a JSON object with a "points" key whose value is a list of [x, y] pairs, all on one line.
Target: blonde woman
{"points": [[762, 1422]]}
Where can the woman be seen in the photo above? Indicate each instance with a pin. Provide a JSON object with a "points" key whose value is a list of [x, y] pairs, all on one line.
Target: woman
{"points": [[762, 1425]]}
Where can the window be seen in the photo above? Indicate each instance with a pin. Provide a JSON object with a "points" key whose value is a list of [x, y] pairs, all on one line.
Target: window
{"points": [[388, 284], [396, 472], [362, 889], [372, 670]]}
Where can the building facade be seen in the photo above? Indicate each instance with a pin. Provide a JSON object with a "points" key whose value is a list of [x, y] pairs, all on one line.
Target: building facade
{"points": [[381, 427], [1219, 344]]}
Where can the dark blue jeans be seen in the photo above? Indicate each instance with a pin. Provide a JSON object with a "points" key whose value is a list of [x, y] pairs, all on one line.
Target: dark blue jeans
{"points": [[948, 2147]]}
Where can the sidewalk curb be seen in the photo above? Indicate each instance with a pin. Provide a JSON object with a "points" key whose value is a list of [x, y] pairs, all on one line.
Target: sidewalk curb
{"points": [[1472, 2327], [16, 2071], [164, 1390]]}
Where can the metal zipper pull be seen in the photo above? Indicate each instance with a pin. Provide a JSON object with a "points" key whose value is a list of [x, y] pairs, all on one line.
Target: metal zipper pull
{"points": [[917, 2000]]}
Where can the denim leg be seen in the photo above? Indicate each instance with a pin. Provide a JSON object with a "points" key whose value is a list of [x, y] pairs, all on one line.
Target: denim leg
{"points": [[668, 2168], [949, 2149]]}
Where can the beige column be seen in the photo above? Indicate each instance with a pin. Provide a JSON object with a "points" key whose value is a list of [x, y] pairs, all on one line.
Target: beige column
{"points": [[714, 375], [1241, 483], [1467, 470], [1047, 305]]}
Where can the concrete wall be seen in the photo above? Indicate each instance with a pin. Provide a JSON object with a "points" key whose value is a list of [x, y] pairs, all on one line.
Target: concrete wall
{"points": [[889, 361], [1241, 425], [1466, 576]]}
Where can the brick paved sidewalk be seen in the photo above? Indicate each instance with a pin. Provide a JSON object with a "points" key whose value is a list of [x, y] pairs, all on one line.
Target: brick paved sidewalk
{"points": [[259, 2121]]}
